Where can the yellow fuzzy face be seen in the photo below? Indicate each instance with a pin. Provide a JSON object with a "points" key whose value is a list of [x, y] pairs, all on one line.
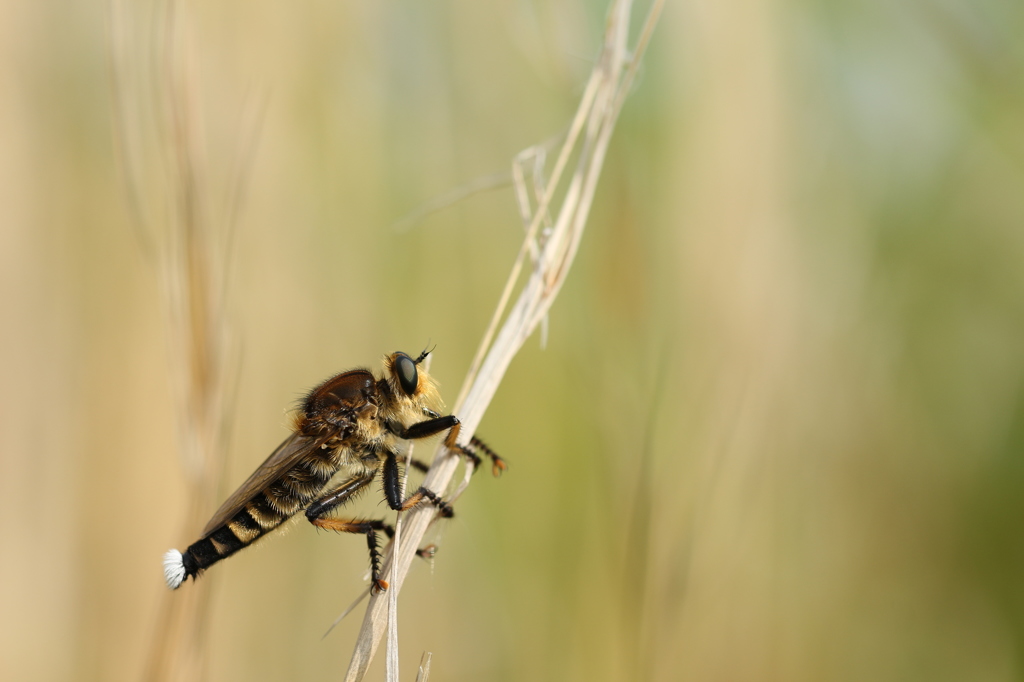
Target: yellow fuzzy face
{"points": [[413, 393]]}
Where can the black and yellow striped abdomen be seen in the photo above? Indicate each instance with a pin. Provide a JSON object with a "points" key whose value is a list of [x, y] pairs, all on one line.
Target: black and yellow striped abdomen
{"points": [[265, 511]]}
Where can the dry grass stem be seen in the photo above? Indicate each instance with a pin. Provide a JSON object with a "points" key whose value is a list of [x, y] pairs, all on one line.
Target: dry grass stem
{"points": [[158, 129], [424, 671], [588, 138], [420, 213], [391, 668]]}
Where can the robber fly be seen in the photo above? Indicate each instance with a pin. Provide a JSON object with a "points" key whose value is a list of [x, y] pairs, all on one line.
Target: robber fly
{"points": [[350, 424]]}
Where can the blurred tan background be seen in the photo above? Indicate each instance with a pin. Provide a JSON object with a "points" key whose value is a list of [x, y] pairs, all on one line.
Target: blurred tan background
{"points": [[777, 430]]}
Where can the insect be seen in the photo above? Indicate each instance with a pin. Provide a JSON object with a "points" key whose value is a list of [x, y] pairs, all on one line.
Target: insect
{"points": [[349, 426]]}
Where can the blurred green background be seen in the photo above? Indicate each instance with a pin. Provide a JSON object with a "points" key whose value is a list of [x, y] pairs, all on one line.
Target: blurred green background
{"points": [[777, 430]]}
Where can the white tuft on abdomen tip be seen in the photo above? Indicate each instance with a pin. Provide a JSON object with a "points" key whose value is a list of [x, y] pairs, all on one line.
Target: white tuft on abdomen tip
{"points": [[174, 569]]}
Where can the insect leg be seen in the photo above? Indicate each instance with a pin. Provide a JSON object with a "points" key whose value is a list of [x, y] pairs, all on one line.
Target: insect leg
{"points": [[337, 497], [429, 427], [498, 465], [435, 425], [316, 513], [365, 527], [419, 465], [393, 492]]}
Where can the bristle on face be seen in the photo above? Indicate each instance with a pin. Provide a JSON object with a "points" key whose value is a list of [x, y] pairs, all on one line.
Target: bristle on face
{"points": [[174, 569]]}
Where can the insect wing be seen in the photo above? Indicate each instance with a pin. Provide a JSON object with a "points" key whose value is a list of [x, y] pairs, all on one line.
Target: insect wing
{"points": [[287, 454]]}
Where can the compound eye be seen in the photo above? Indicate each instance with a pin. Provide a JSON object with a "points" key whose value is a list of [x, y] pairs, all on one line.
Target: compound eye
{"points": [[405, 368]]}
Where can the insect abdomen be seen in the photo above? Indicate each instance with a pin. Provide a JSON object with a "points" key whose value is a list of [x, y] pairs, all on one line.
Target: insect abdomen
{"points": [[267, 510], [242, 530]]}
